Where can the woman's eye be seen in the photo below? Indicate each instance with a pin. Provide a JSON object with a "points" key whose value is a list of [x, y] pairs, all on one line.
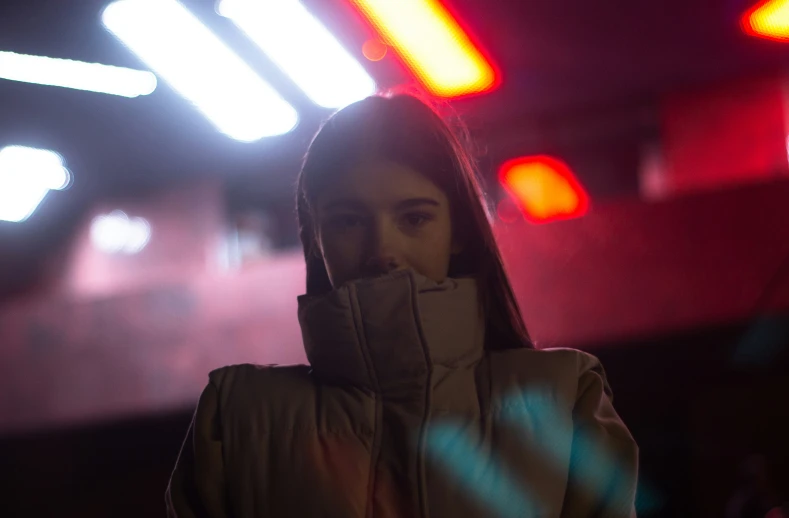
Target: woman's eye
{"points": [[416, 220], [346, 221]]}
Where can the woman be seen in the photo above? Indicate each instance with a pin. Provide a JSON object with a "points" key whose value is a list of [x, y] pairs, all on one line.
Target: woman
{"points": [[424, 395]]}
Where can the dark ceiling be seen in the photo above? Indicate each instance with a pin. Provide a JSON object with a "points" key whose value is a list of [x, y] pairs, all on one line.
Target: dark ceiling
{"points": [[558, 58]]}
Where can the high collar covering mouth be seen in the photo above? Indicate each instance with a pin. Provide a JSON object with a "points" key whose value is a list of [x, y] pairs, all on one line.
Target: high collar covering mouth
{"points": [[387, 333]]}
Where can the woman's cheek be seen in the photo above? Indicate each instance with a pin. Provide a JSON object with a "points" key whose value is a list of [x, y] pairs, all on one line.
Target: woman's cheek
{"points": [[341, 258]]}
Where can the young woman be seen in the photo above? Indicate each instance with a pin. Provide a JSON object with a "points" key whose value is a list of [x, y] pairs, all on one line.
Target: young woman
{"points": [[424, 396]]}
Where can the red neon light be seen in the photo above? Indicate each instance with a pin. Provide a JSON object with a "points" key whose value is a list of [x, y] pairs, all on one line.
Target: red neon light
{"points": [[768, 19], [544, 188], [432, 45]]}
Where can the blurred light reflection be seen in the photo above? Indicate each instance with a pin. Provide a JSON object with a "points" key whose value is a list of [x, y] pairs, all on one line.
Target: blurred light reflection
{"points": [[26, 176], [66, 73]]}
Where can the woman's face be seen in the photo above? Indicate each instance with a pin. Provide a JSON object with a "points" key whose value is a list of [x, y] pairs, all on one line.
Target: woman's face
{"points": [[380, 216]]}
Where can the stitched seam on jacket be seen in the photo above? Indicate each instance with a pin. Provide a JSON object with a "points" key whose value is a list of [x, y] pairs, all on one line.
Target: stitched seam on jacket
{"points": [[420, 451], [482, 377], [376, 446]]}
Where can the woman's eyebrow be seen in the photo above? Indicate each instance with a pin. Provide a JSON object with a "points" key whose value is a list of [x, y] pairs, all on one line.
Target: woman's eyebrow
{"points": [[411, 203]]}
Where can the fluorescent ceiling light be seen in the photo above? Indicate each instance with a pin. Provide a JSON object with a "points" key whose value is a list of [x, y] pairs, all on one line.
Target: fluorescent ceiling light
{"points": [[303, 48], [432, 44], [768, 19], [91, 77], [200, 67], [26, 176]]}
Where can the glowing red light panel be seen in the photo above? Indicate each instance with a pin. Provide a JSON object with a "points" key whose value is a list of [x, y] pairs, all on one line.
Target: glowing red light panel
{"points": [[768, 19], [544, 188], [432, 44]]}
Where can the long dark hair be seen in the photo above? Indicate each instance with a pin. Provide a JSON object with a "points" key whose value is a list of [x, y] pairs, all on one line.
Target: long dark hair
{"points": [[404, 129]]}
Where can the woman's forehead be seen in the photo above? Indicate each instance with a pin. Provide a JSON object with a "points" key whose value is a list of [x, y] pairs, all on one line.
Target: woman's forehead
{"points": [[378, 183]]}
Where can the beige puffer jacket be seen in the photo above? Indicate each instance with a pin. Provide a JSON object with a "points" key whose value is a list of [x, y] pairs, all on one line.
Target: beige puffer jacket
{"points": [[403, 413]]}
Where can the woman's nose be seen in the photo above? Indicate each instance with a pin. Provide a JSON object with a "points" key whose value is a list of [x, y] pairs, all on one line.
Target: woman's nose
{"points": [[383, 254], [380, 264]]}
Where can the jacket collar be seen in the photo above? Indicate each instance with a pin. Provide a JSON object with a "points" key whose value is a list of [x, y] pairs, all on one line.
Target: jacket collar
{"points": [[386, 334]]}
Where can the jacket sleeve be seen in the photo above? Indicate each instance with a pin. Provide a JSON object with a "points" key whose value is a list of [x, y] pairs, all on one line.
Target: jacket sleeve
{"points": [[197, 485], [604, 457]]}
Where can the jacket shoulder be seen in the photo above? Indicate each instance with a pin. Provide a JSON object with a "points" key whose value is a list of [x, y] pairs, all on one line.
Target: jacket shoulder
{"points": [[268, 398], [252, 374], [248, 388], [561, 371], [549, 361]]}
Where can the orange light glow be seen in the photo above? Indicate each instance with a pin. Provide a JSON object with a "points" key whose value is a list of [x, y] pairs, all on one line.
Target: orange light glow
{"points": [[544, 188], [374, 50], [768, 19], [432, 44]]}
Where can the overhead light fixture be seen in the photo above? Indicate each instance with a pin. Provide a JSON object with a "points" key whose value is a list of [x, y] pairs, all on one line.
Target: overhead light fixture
{"points": [[26, 176], [79, 75], [432, 44], [200, 67], [302, 48], [544, 188], [117, 233], [768, 19]]}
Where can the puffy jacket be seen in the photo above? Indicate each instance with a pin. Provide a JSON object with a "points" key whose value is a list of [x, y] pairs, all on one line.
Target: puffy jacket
{"points": [[404, 413]]}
